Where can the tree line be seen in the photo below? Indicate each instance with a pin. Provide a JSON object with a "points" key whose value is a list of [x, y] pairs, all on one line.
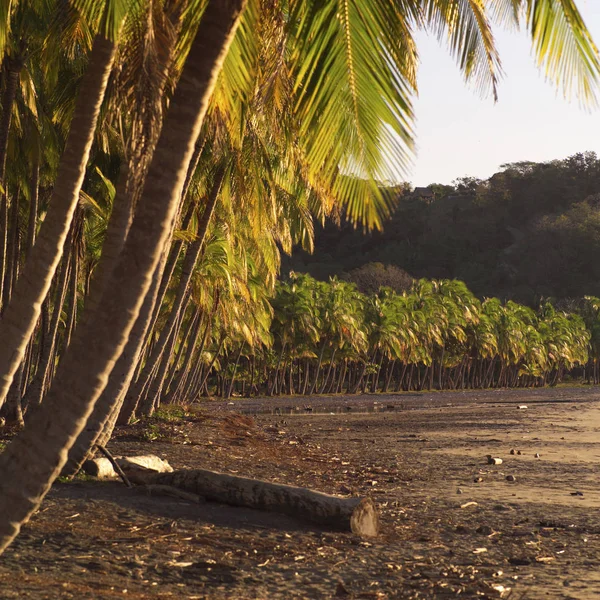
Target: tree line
{"points": [[327, 337], [530, 231], [156, 157]]}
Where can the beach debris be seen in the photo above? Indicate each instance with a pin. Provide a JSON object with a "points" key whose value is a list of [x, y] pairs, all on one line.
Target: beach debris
{"points": [[513, 451], [484, 530], [519, 561], [511, 478], [522, 407], [537, 455], [467, 504], [577, 493], [501, 589], [477, 479], [492, 460], [341, 590]]}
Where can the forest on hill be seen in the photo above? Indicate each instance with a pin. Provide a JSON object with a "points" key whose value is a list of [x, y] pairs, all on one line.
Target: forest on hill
{"points": [[529, 232]]}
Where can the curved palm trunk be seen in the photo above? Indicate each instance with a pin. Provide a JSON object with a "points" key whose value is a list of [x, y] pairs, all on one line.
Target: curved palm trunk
{"points": [[318, 371], [326, 381], [229, 391], [106, 410], [35, 457], [191, 375], [20, 316]]}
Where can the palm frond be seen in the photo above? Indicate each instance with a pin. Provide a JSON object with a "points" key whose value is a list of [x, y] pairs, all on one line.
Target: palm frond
{"points": [[564, 47], [354, 64]]}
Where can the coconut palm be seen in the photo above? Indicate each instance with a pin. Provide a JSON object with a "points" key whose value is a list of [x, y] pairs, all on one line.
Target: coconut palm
{"points": [[351, 74], [130, 278], [21, 314]]}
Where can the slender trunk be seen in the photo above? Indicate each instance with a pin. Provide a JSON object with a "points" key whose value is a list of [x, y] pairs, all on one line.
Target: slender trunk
{"points": [[179, 377], [33, 205], [318, 372], [38, 387], [190, 378], [235, 368], [21, 314], [156, 384], [212, 362], [102, 420], [388, 375], [35, 457], [72, 315], [271, 388], [14, 65], [187, 270], [328, 372], [13, 409], [166, 277], [12, 250], [188, 340]]}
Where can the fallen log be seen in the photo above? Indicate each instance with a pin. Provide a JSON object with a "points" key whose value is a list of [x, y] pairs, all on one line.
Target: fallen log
{"points": [[358, 515], [102, 468]]}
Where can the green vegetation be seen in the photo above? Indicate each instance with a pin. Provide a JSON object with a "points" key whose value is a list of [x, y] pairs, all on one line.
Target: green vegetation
{"points": [[330, 338], [529, 232], [156, 157]]}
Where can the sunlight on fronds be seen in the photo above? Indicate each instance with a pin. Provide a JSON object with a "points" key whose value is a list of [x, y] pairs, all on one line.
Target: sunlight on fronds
{"points": [[564, 48]]}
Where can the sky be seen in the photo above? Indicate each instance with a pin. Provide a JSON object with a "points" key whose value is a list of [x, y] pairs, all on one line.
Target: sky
{"points": [[460, 134]]}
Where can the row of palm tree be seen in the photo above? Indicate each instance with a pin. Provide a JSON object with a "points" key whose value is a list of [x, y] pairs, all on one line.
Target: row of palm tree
{"points": [[155, 156], [327, 337]]}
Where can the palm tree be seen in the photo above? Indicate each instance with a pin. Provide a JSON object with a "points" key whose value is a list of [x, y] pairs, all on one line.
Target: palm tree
{"points": [[21, 314], [351, 79], [131, 278]]}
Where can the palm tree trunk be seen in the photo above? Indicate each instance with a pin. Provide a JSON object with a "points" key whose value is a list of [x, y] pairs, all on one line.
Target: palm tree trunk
{"points": [[13, 409], [14, 66], [166, 275], [179, 378], [328, 372], [318, 372], [12, 250], [37, 388], [102, 420], [187, 270], [188, 339], [212, 363], [156, 384], [235, 368], [72, 315], [35, 457], [33, 205], [20, 316]]}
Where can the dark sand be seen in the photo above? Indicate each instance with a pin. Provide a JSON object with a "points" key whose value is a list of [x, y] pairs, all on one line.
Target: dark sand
{"points": [[532, 538]]}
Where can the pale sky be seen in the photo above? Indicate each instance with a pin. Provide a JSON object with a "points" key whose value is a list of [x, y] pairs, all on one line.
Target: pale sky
{"points": [[460, 134]]}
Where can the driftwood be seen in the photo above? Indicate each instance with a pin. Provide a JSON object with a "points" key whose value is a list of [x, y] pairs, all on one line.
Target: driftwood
{"points": [[168, 490], [115, 465], [102, 468], [358, 515]]}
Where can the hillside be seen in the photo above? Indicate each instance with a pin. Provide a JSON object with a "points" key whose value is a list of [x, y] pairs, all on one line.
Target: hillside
{"points": [[531, 230]]}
